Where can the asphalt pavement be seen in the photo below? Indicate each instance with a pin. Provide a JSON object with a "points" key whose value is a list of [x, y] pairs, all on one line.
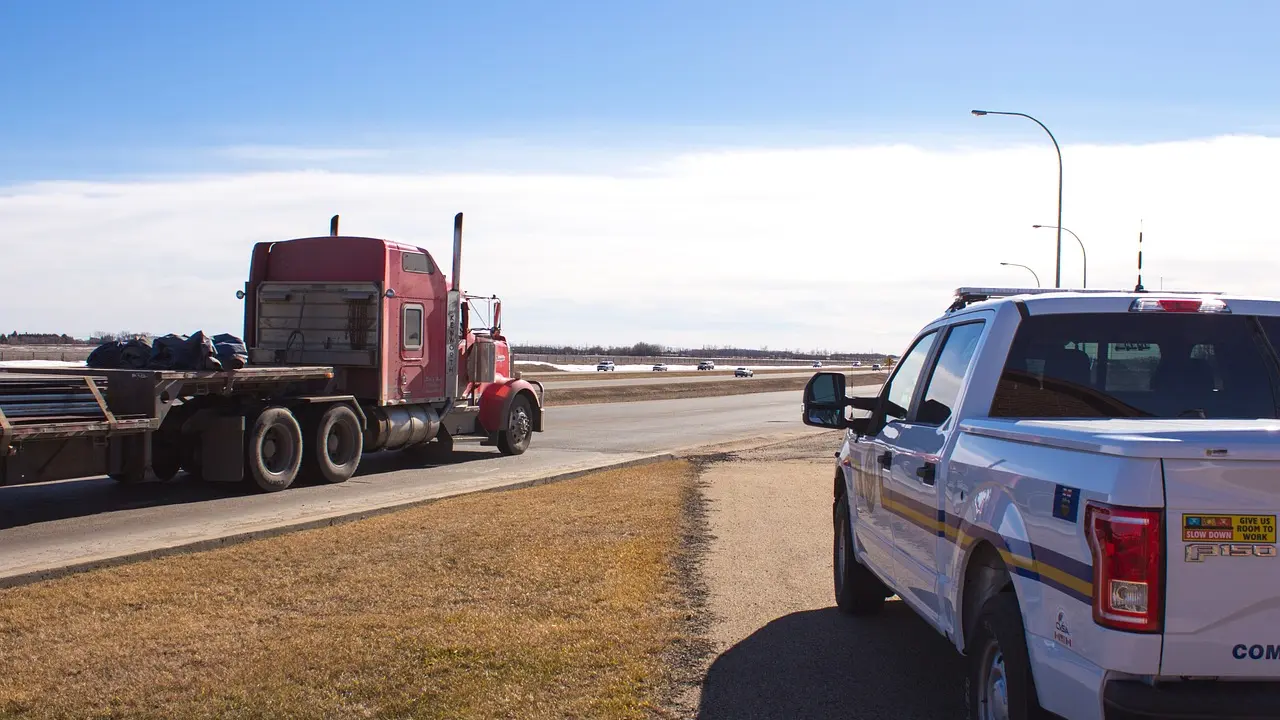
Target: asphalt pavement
{"points": [[575, 380]]}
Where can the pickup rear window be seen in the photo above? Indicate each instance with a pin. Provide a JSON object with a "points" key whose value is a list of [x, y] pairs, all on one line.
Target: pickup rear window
{"points": [[1112, 365]]}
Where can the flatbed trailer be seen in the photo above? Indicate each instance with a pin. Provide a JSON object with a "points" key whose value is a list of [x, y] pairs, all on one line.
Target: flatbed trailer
{"points": [[59, 423]]}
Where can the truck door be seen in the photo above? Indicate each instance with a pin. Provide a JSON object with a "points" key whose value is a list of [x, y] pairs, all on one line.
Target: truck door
{"points": [[412, 349], [914, 480], [876, 507]]}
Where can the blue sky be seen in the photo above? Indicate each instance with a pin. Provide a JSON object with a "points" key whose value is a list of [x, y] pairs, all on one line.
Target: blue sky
{"points": [[129, 87], [671, 171]]}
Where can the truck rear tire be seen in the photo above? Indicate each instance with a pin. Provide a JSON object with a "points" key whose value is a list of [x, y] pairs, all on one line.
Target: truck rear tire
{"points": [[166, 458], [273, 449], [190, 451], [999, 682], [334, 445], [515, 439], [858, 590]]}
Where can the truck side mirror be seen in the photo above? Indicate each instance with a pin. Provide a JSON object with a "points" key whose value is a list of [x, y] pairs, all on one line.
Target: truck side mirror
{"points": [[825, 401]]}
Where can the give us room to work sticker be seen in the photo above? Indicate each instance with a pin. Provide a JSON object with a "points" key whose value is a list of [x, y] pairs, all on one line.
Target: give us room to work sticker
{"points": [[1229, 528]]}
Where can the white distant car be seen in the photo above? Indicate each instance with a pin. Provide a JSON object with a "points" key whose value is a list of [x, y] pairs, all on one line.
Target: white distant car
{"points": [[875, 366], [857, 363], [816, 363], [660, 367], [743, 372], [605, 366], [706, 365]]}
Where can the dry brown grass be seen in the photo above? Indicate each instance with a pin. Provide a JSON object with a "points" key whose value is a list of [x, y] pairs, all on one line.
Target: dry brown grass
{"points": [[551, 602], [740, 386]]}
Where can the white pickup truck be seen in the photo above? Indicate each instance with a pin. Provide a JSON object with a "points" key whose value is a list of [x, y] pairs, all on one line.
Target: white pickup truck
{"points": [[1080, 490]]}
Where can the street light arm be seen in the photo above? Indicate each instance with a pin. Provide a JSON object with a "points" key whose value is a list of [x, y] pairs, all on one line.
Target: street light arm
{"points": [[1024, 267], [980, 113], [1084, 254]]}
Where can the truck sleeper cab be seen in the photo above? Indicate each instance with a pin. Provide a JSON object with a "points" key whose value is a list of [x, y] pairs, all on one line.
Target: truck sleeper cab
{"points": [[1078, 490]]}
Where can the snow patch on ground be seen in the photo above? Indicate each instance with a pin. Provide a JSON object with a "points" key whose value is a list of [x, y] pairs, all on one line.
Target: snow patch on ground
{"points": [[41, 363]]}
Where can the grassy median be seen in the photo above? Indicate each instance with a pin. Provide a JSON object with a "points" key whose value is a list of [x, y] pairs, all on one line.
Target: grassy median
{"points": [[556, 601]]}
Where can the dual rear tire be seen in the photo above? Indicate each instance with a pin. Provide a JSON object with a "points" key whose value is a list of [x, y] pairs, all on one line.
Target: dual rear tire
{"points": [[277, 450]]}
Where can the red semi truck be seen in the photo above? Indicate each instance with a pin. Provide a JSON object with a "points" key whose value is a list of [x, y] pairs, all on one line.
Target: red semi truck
{"points": [[355, 345]]}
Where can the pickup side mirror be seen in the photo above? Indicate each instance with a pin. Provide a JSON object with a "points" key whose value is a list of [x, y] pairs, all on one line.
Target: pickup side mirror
{"points": [[825, 401]]}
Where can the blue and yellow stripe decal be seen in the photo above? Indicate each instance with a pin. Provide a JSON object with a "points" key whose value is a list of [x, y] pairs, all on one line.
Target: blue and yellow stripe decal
{"points": [[1027, 560]]}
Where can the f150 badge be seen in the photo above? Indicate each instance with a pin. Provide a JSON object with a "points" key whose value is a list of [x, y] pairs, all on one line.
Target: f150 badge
{"points": [[1197, 552]]}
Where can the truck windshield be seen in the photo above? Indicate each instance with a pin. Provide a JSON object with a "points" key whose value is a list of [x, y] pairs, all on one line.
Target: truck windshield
{"points": [[1113, 365]]}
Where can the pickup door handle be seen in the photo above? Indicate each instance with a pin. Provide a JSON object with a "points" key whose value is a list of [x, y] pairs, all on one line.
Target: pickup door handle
{"points": [[885, 459], [927, 473]]}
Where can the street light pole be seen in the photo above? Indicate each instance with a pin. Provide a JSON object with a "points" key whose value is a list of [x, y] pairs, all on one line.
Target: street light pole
{"points": [[1084, 255], [1057, 278], [1024, 267]]}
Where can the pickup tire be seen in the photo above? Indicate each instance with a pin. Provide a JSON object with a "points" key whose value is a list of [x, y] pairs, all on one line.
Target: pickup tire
{"points": [[858, 590], [334, 445], [273, 449], [999, 682]]}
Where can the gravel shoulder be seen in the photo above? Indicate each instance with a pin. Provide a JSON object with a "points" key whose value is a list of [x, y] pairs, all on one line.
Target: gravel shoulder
{"points": [[778, 648]]}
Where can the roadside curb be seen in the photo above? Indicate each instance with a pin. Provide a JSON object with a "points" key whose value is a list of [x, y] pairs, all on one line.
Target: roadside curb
{"points": [[35, 576]]}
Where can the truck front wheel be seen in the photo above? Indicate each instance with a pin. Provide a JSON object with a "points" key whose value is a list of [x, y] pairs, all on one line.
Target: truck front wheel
{"points": [[515, 439], [999, 682], [858, 590], [273, 449], [334, 445]]}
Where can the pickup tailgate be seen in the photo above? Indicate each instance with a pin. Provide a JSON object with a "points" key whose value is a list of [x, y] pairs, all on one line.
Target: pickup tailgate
{"points": [[1222, 589]]}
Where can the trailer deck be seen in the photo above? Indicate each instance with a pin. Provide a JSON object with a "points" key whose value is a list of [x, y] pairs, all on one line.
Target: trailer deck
{"points": [[46, 406], [47, 403]]}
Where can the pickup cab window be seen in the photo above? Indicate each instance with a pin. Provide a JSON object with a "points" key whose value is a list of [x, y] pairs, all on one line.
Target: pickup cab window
{"points": [[1110, 365], [943, 390], [902, 387]]}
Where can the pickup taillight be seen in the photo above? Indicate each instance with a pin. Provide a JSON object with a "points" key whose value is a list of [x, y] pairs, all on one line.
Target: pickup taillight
{"points": [[1128, 556]]}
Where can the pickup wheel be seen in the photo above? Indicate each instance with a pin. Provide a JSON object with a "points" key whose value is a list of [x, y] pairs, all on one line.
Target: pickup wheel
{"points": [[999, 685], [515, 439], [273, 449], [334, 445], [858, 590]]}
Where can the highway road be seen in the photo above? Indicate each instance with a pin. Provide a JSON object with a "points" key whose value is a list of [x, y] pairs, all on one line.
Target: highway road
{"points": [[573, 381], [55, 525]]}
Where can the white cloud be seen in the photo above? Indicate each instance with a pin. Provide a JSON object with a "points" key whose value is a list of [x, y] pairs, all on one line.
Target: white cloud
{"points": [[841, 247]]}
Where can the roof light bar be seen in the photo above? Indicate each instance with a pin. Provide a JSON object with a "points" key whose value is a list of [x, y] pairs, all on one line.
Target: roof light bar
{"points": [[1179, 305]]}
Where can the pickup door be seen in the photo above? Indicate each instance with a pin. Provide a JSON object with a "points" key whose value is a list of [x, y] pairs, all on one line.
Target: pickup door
{"points": [[913, 428], [912, 481], [875, 456]]}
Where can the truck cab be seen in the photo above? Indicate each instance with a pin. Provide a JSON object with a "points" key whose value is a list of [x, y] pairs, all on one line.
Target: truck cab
{"points": [[1076, 488], [397, 330]]}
